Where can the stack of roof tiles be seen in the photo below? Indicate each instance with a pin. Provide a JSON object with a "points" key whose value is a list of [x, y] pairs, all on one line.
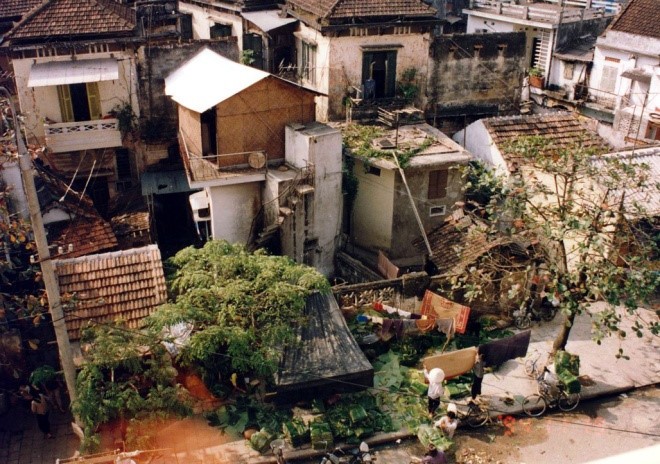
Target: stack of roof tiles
{"points": [[123, 285]]}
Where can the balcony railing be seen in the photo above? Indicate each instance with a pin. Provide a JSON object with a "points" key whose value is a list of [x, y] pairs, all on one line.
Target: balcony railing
{"points": [[550, 12], [225, 167], [85, 135]]}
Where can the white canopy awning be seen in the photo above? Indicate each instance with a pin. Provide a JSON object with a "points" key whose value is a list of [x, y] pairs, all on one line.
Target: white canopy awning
{"points": [[268, 20], [73, 72], [208, 79]]}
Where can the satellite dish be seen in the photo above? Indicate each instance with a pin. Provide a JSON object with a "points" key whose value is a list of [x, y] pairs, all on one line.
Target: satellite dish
{"points": [[256, 160]]}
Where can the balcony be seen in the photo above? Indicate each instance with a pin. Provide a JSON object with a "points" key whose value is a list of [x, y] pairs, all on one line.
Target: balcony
{"points": [[551, 12], [223, 169], [85, 135]]}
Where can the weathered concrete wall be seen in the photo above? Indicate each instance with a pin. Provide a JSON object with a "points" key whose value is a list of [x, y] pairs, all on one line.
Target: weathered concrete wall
{"points": [[475, 74], [405, 228], [569, 33], [233, 208], [318, 147], [371, 221], [155, 63], [339, 62]]}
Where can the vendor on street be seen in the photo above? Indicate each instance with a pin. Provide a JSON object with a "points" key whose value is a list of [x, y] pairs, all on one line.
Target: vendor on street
{"points": [[435, 378]]}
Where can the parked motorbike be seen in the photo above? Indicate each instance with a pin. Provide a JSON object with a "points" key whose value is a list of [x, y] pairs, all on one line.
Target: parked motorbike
{"points": [[545, 311]]}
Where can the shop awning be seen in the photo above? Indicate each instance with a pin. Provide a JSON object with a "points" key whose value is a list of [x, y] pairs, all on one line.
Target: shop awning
{"points": [[637, 75], [268, 20], [73, 72]]}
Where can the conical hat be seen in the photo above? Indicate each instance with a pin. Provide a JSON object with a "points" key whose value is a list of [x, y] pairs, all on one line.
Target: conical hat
{"points": [[436, 375]]}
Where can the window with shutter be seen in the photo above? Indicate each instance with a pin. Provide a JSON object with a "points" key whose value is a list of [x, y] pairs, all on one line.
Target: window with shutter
{"points": [[608, 79], [66, 107], [438, 184], [94, 100]]}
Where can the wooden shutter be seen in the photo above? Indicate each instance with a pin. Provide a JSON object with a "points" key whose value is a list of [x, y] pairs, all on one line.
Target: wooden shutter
{"points": [[438, 184], [367, 58], [390, 82], [66, 107], [94, 100], [608, 79]]}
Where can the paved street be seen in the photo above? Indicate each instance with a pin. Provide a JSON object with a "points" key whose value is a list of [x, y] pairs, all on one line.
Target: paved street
{"points": [[607, 376]]}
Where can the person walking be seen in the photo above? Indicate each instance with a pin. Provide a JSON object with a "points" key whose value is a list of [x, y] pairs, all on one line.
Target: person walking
{"points": [[477, 375], [41, 410], [435, 378]]}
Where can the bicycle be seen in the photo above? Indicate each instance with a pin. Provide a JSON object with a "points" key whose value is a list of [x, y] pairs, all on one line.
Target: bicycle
{"points": [[470, 413], [549, 396], [533, 366]]}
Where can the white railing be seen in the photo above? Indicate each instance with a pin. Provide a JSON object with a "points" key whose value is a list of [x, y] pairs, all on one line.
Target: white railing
{"points": [[548, 11], [84, 126], [83, 135]]}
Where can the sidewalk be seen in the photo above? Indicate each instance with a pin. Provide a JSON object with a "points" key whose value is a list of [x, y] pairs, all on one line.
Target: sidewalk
{"points": [[608, 374], [24, 443]]}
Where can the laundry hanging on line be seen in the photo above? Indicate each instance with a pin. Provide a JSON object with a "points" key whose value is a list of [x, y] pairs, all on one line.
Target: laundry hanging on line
{"points": [[499, 351]]}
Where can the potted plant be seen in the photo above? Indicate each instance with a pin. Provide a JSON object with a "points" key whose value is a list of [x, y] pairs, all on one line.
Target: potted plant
{"points": [[536, 77]]}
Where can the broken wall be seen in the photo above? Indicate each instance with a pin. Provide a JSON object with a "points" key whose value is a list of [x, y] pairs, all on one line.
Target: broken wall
{"points": [[475, 75]]}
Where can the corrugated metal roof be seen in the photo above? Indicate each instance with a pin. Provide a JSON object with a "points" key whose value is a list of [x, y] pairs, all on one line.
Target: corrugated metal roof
{"points": [[208, 79], [159, 182], [268, 20], [73, 72]]}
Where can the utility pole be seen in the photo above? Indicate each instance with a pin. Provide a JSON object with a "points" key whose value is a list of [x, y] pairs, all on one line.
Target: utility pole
{"points": [[47, 268]]}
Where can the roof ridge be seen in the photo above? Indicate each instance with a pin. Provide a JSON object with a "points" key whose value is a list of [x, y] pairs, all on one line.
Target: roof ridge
{"points": [[147, 249], [332, 8]]}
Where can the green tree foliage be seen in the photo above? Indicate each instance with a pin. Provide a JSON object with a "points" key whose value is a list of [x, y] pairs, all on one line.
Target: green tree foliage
{"points": [[244, 307], [588, 214], [127, 374]]}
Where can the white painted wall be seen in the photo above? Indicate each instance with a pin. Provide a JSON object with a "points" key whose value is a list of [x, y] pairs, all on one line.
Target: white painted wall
{"points": [[37, 103], [232, 209], [371, 219], [204, 18], [558, 73], [476, 139], [632, 101], [319, 146]]}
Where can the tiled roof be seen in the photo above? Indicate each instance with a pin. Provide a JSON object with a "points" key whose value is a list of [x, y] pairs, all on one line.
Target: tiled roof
{"points": [[87, 236], [13, 8], [561, 129], [127, 285], [337, 9], [639, 17], [81, 163], [66, 18], [460, 242], [132, 228]]}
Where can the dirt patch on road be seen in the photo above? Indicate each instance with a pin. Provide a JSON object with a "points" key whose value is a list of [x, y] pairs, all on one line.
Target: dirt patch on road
{"points": [[497, 444]]}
